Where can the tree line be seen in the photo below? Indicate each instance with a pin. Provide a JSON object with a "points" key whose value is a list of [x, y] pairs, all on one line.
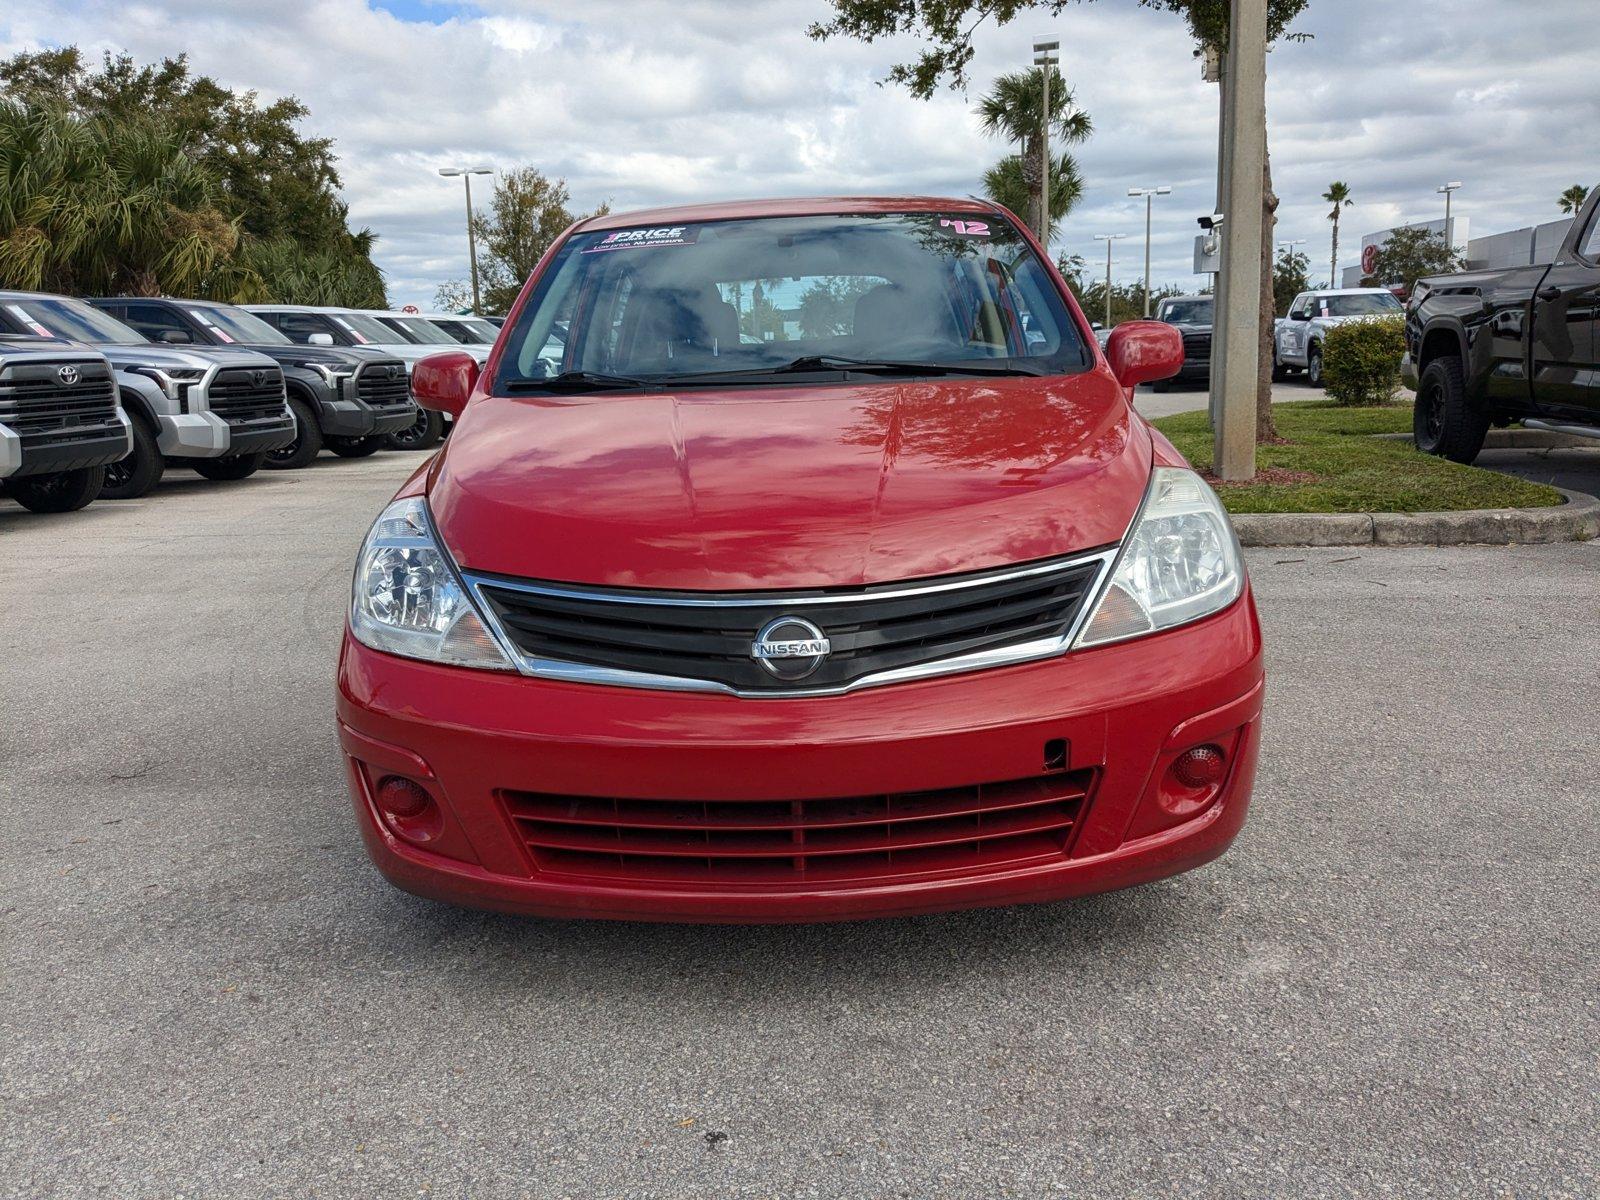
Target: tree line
{"points": [[147, 179]]}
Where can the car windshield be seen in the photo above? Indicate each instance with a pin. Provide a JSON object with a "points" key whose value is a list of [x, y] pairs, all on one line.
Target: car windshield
{"points": [[1372, 305], [364, 330], [473, 331], [765, 298], [420, 330], [1186, 312], [236, 325], [61, 317]]}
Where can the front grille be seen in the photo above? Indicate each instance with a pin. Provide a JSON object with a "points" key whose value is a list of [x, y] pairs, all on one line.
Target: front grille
{"points": [[242, 394], [39, 406], [982, 827], [710, 637], [1197, 347], [383, 385]]}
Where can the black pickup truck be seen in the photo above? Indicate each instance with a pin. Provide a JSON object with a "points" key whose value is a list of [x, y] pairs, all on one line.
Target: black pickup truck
{"points": [[1520, 344]]}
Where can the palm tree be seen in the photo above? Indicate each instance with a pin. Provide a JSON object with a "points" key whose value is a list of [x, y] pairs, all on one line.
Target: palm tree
{"points": [[1006, 183], [1572, 199], [1338, 195], [1014, 109]]}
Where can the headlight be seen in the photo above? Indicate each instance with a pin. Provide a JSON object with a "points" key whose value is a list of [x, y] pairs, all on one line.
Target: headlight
{"points": [[332, 376], [407, 600], [1180, 563], [175, 381]]}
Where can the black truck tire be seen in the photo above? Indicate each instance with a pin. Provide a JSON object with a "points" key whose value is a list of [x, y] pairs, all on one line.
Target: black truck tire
{"points": [[63, 492], [137, 474], [235, 466], [355, 447], [1443, 422], [307, 442], [426, 432]]}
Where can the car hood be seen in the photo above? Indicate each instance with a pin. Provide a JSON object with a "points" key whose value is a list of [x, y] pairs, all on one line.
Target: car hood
{"points": [[151, 354], [786, 487], [332, 356]]}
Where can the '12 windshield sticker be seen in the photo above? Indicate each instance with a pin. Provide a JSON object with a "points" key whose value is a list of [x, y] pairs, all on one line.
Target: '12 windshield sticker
{"points": [[660, 235]]}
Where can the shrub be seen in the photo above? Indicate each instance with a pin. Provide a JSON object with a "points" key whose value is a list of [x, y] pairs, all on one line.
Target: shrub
{"points": [[1361, 360]]}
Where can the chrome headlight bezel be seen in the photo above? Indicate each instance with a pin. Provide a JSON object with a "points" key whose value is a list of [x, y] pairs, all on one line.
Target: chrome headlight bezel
{"points": [[1179, 563], [407, 597], [174, 382], [332, 376]]}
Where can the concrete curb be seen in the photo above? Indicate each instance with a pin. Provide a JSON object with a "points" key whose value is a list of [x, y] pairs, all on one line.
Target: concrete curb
{"points": [[1518, 439], [1578, 520]]}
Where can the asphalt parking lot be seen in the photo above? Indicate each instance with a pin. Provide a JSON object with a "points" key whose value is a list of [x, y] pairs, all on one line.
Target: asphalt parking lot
{"points": [[1387, 987]]}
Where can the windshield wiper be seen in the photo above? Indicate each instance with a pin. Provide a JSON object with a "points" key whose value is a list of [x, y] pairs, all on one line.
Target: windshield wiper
{"points": [[876, 366], [576, 381]]}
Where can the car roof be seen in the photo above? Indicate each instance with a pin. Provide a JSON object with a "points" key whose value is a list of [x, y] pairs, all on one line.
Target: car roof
{"points": [[812, 206], [1347, 292], [322, 308], [1197, 296]]}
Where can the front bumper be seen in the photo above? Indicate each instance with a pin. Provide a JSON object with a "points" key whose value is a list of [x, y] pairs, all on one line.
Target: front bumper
{"points": [[352, 418], [1125, 711], [192, 435], [258, 437], [48, 457]]}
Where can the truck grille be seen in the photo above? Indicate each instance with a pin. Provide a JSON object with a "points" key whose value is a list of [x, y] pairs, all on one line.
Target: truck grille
{"points": [[39, 406], [860, 838], [711, 637], [384, 385], [242, 394], [1197, 347]]}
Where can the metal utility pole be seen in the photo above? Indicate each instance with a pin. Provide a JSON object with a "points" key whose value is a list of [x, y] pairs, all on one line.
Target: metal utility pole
{"points": [[1108, 239], [1149, 195], [1447, 191], [466, 174], [1242, 237], [1044, 61]]}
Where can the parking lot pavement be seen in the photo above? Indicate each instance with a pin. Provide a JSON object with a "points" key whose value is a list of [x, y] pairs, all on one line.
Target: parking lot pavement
{"points": [[1386, 987]]}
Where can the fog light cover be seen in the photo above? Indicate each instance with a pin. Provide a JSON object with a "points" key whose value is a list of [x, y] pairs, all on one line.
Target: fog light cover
{"points": [[1201, 767]]}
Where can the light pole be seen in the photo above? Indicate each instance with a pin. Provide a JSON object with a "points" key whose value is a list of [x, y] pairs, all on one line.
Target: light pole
{"points": [[1149, 195], [1447, 191], [1108, 238], [1044, 61], [466, 174]]}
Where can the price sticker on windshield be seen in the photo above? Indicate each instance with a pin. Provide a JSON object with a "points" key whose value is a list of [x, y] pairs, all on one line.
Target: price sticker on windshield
{"points": [[660, 235]]}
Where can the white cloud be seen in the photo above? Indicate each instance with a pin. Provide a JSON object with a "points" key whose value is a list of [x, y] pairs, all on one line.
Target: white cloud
{"points": [[643, 102]]}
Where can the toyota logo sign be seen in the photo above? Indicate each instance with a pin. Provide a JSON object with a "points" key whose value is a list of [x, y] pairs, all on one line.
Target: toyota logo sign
{"points": [[68, 374]]}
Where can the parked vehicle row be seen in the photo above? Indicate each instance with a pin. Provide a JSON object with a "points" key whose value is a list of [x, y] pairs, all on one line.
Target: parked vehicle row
{"points": [[99, 396]]}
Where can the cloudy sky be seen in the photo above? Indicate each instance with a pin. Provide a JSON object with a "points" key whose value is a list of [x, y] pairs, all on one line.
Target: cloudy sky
{"points": [[645, 102]]}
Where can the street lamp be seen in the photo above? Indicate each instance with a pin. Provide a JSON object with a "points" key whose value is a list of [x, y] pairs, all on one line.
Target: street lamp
{"points": [[1044, 61], [1149, 195], [466, 174], [1108, 238], [1447, 191]]}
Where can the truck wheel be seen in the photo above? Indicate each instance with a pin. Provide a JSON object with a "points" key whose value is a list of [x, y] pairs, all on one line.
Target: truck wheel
{"points": [[1314, 365], [307, 442], [235, 466], [65, 491], [1442, 421], [426, 432], [355, 447], [135, 475]]}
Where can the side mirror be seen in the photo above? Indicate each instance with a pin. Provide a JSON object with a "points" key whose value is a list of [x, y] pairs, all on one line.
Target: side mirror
{"points": [[319, 339], [176, 337], [1299, 314], [1143, 352], [443, 382]]}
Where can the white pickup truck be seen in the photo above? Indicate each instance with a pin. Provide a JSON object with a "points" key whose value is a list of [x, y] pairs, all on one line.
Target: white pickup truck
{"points": [[1297, 339]]}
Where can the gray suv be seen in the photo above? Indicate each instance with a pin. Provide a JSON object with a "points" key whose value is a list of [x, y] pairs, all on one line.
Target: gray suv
{"points": [[60, 423], [220, 411]]}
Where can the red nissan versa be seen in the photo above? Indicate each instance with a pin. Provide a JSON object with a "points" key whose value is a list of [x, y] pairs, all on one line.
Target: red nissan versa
{"points": [[798, 560]]}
